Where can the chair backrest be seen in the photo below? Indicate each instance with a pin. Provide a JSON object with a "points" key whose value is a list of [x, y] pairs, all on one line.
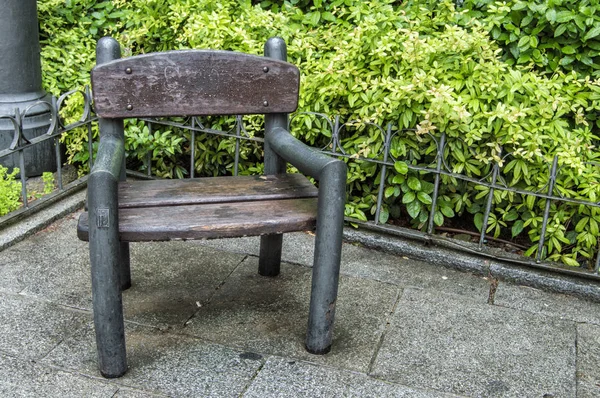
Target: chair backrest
{"points": [[194, 82]]}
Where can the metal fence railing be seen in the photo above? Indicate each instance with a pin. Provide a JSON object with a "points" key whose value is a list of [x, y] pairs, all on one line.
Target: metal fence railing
{"points": [[21, 146], [384, 160]]}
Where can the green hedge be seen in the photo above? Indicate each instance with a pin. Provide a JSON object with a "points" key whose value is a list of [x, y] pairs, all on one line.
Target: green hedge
{"points": [[550, 34], [420, 65]]}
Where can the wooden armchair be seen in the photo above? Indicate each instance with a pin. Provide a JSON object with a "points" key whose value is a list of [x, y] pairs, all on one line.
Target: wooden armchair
{"points": [[198, 82]]}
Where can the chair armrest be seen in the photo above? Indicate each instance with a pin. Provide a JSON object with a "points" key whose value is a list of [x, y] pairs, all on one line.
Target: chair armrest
{"points": [[303, 157], [110, 157], [102, 196]]}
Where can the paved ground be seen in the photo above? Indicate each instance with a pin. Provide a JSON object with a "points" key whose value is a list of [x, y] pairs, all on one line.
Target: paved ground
{"points": [[201, 322]]}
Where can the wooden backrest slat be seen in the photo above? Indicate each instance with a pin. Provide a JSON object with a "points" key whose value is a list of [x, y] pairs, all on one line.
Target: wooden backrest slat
{"points": [[194, 82]]}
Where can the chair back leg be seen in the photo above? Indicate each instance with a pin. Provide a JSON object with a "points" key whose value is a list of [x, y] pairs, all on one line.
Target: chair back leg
{"points": [[269, 261]]}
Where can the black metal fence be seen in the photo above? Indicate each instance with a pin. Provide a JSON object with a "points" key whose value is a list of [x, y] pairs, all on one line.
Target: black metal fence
{"points": [[193, 126], [15, 154]]}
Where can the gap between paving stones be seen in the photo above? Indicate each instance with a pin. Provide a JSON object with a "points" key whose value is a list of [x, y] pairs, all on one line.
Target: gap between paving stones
{"points": [[388, 323], [216, 291]]}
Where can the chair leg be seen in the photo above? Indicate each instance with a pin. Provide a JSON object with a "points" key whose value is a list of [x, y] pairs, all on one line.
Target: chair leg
{"points": [[107, 304], [326, 267], [269, 261], [125, 266], [325, 278]]}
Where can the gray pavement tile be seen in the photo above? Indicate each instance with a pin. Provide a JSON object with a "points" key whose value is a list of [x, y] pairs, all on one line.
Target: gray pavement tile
{"points": [[284, 378], [171, 279], [357, 261], [19, 378], [62, 279], [588, 361], [298, 247], [165, 363], [401, 270], [31, 328], [448, 343], [552, 304], [56, 264], [269, 315], [168, 277]]}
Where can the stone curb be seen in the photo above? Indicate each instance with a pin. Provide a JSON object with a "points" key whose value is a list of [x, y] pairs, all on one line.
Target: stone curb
{"points": [[39, 220], [421, 247]]}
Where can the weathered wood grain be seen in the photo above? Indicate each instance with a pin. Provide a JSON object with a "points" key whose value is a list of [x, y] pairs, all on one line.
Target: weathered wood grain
{"points": [[214, 190], [194, 82], [214, 220]]}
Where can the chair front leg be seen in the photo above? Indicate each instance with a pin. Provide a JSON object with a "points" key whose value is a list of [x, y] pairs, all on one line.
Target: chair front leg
{"points": [[326, 267], [106, 267]]}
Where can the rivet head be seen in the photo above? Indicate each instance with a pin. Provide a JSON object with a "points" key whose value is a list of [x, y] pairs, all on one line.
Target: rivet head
{"points": [[129, 107], [266, 69], [266, 103], [128, 71]]}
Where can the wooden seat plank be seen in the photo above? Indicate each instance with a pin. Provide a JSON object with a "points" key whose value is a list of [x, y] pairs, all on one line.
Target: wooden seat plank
{"points": [[214, 190], [213, 220]]}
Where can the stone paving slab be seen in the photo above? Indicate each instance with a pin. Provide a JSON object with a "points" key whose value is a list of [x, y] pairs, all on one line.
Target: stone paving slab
{"points": [[588, 361], [282, 377], [552, 304], [170, 280], [361, 262], [403, 327], [19, 378], [297, 248], [448, 343], [269, 315], [400, 270], [164, 363], [32, 328], [51, 265]]}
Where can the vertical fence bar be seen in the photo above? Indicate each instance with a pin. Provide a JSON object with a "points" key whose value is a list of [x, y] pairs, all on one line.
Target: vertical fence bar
{"points": [[436, 184], [55, 130], [538, 256], [149, 154], [238, 132], [23, 177], [58, 162], [193, 151], [488, 206], [386, 147], [335, 133], [19, 143]]}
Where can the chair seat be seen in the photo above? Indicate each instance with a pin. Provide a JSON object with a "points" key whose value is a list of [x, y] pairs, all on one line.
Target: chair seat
{"points": [[205, 208]]}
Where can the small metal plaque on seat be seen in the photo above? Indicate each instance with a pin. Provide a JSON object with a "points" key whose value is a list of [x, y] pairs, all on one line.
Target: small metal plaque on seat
{"points": [[102, 218]]}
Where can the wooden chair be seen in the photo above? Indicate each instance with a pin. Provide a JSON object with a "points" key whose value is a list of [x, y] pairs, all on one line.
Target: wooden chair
{"points": [[199, 82]]}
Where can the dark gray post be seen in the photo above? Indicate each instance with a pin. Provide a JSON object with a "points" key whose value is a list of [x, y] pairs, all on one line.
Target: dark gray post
{"points": [[331, 174], [269, 261], [328, 251], [21, 85], [106, 250]]}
